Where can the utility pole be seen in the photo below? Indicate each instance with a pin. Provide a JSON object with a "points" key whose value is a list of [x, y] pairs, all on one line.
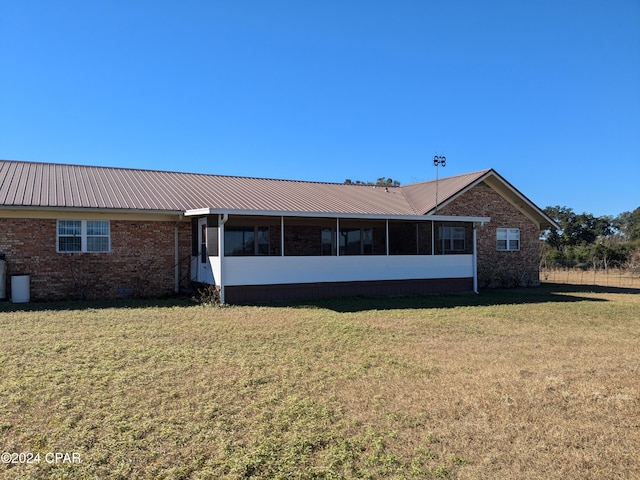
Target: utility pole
{"points": [[436, 162]]}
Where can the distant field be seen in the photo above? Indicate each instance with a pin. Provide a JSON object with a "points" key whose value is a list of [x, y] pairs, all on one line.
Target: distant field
{"points": [[526, 384]]}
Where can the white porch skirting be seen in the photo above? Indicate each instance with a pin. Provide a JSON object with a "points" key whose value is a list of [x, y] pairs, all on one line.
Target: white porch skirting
{"points": [[293, 270]]}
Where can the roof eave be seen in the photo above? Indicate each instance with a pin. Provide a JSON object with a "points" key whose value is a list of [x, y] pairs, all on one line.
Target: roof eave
{"points": [[342, 215], [531, 210], [137, 211]]}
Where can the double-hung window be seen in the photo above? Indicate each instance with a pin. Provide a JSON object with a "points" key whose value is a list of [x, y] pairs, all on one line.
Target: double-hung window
{"points": [[356, 241], [508, 239], [83, 236], [452, 239], [328, 246], [246, 240]]}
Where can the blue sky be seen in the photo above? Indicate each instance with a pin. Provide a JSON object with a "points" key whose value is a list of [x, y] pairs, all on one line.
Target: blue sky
{"points": [[545, 92]]}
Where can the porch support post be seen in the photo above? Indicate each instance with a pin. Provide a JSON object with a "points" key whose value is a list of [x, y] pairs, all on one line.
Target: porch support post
{"points": [[386, 235], [433, 238], [222, 219], [282, 236], [337, 237]]}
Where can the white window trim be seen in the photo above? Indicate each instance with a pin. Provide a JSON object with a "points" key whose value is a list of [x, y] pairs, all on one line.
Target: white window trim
{"points": [[510, 234], [83, 237], [447, 238]]}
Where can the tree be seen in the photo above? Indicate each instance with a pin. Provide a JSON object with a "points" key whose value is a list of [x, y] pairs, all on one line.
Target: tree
{"points": [[586, 240], [576, 229], [628, 224], [381, 182]]}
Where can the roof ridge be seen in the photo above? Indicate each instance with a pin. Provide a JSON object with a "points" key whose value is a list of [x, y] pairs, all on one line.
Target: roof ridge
{"points": [[175, 172], [477, 172]]}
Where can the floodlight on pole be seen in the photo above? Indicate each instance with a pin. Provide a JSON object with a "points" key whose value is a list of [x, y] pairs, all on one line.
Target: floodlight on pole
{"points": [[437, 161]]}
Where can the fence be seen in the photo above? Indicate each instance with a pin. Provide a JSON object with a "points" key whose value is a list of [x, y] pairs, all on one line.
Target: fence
{"points": [[610, 277]]}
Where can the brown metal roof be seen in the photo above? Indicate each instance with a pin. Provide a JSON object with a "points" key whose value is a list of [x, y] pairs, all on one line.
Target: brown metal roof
{"points": [[423, 195], [31, 184], [36, 185]]}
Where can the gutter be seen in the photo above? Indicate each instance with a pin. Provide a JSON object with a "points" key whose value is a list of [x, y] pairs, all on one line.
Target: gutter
{"points": [[102, 210], [339, 215], [475, 259]]}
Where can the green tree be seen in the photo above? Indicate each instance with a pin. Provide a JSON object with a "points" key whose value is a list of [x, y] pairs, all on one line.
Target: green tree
{"points": [[381, 182], [628, 224], [589, 241], [576, 229]]}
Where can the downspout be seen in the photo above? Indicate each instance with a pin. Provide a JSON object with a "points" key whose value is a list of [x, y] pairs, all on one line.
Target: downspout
{"points": [[222, 219], [475, 259], [176, 255]]}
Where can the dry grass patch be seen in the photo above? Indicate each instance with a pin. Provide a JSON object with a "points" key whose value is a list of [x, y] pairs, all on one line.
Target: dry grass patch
{"points": [[535, 384]]}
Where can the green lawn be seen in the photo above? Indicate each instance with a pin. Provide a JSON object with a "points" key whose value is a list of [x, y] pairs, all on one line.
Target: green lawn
{"points": [[537, 383]]}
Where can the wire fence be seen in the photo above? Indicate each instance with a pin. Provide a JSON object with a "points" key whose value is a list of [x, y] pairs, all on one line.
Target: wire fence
{"points": [[612, 277]]}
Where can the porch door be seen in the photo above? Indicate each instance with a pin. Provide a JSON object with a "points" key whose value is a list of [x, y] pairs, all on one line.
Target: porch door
{"points": [[203, 257]]}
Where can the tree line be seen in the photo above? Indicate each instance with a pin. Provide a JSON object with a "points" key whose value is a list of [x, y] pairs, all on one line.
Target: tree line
{"points": [[586, 241], [381, 182]]}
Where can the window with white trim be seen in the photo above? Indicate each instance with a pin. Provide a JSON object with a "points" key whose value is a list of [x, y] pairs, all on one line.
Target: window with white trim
{"points": [[246, 240], [452, 239], [356, 241], [83, 236], [508, 239], [328, 244]]}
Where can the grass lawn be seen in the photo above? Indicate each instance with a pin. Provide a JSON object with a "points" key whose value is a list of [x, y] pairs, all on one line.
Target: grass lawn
{"points": [[529, 384]]}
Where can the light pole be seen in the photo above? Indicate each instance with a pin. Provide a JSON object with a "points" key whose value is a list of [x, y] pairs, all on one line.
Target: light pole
{"points": [[436, 162]]}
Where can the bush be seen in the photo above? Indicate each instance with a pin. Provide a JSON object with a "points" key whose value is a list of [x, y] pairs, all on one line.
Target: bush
{"points": [[208, 295]]}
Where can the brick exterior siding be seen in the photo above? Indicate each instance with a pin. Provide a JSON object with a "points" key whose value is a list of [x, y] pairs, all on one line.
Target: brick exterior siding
{"points": [[142, 257], [500, 268], [141, 261]]}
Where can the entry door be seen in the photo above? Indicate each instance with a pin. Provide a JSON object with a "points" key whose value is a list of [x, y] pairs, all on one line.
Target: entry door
{"points": [[203, 257]]}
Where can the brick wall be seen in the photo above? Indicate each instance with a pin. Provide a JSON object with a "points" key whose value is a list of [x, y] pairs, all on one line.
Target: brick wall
{"points": [[141, 261], [500, 268]]}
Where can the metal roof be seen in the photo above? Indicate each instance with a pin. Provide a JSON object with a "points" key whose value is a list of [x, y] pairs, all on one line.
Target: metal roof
{"points": [[42, 185], [423, 195]]}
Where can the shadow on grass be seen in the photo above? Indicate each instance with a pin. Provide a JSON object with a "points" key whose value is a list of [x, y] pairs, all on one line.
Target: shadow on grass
{"points": [[570, 288], [547, 293], [168, 302]]}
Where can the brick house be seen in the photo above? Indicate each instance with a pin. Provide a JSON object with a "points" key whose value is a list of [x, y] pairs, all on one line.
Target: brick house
{"points": [[99, 232]]}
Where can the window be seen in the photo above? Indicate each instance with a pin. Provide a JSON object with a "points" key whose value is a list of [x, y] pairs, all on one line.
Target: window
{"points": [[356, 241], [410, 238], [246, 241], [204, 255], [84, 236], [327, 242], [350, 241], [452, 239], [262, 242], [508, 239], [367, 241], [357, 237]]}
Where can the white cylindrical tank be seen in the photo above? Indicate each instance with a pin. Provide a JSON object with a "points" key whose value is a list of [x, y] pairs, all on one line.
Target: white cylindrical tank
{"points": [[3, 279], [20, 292]]}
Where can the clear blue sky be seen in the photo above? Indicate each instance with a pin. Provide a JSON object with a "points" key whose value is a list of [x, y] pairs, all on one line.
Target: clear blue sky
{"points": [[545, 92]]}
